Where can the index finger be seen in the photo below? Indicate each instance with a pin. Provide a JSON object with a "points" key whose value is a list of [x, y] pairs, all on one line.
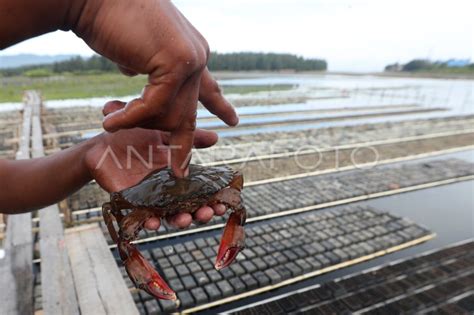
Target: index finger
{"points": [[202, 138], [182, 138]]}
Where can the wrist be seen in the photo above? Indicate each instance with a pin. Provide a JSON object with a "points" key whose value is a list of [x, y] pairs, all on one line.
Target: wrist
{"points": [[23, 19], [87, 148], [81, 16], [73, 14]]}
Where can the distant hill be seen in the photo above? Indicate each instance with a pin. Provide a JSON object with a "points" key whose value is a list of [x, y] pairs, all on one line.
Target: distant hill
{"points": [[20, 60]]}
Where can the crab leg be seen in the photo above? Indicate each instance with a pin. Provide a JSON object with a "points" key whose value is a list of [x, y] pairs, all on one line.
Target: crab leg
{"points": [[132, 223], [142, 273], [233, 239], [107, 214]]}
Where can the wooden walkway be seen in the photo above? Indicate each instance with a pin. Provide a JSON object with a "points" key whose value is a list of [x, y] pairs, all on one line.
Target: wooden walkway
{"points": [[100, 287], [58, 292], [16, 269], [78, 272]]}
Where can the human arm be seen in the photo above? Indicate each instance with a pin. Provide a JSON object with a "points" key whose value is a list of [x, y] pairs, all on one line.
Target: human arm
{"points": [[36, 183], [32, 184], [24, 19]]}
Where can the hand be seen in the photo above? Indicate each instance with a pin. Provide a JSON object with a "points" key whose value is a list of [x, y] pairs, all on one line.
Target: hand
{"points": [[152, 37], [115, 167]]}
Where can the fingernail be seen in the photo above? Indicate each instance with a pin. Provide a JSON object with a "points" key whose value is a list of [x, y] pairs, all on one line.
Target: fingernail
{"points": [[235, 120]]}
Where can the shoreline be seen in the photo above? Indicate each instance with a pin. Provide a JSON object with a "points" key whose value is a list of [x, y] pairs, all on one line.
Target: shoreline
{"points": [[414, 75]]}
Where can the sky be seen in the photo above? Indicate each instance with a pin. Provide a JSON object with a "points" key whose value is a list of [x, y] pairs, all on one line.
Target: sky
{"points": [[357, 35]]}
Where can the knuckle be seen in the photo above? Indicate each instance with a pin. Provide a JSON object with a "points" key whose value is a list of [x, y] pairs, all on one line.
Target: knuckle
{"points": [[194, 58], [171, 125], [201, 63], [189, 61], [215, 88], [204, 45], [207, 50], [169, 78], [189, 123]]}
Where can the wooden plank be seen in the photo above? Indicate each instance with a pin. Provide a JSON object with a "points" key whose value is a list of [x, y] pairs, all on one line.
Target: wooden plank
{"points": [[16, 269], [57, 285], [99, 284]]}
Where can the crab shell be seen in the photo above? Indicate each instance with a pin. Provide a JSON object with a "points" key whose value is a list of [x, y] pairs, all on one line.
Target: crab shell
{"points": [[166, 195]]}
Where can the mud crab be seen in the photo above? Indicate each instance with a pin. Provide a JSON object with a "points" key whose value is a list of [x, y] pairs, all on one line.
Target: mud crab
{"points": [[161, 194]]}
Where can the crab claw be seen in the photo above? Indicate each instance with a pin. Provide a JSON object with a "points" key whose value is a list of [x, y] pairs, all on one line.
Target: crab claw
{"points": [[233, 239], [142, 273]]}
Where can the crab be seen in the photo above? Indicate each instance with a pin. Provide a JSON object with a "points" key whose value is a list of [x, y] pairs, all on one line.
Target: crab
{"points": [[161, 194]]}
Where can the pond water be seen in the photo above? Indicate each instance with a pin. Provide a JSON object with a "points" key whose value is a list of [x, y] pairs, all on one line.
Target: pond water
{"points": [[457, 95], [328, 92]]}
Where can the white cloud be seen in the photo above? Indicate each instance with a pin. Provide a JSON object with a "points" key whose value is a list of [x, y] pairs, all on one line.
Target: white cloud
{"points": [[358, 35]]}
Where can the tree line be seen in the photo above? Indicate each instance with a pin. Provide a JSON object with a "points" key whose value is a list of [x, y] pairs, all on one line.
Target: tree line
{"points": [[431, 66], [247, 61], [244, 61]]}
